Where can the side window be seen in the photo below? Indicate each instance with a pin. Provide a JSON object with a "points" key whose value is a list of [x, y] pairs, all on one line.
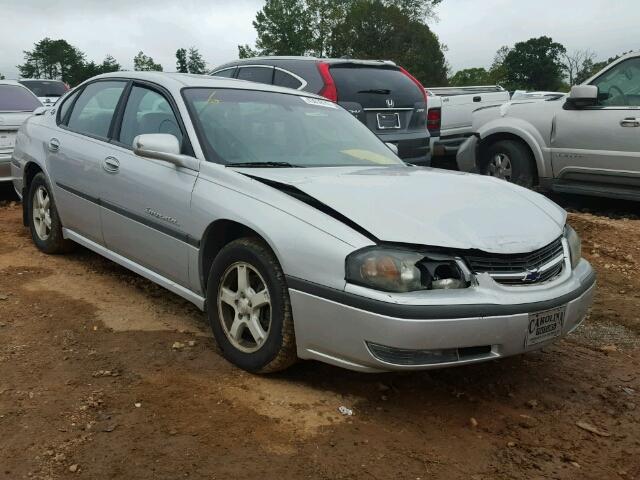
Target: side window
{"points": [[95, 107], [227, 72], [147, 111], [285, 79], [64, 108], [256, 74], [620, 86]]}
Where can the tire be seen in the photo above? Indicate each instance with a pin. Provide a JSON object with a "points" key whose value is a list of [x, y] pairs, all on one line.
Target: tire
{"points": [[233, 317], [510, 160], [43, 219]]}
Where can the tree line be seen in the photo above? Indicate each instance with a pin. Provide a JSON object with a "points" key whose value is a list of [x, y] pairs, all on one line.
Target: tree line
{"points": [[535, 64], [368, 29], [59, 60]]}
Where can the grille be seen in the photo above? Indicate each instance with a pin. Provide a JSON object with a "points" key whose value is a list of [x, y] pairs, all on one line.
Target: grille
{"points": [[521, 269]]}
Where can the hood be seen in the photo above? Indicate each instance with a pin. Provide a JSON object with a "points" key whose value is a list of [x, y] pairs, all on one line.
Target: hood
{"points": [[430, 207], [13, 119]]}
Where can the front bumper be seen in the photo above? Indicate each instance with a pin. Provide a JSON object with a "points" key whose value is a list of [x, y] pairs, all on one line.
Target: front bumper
{"points": [[467, 155], [5, 168], [346, 333], [446, 146]]}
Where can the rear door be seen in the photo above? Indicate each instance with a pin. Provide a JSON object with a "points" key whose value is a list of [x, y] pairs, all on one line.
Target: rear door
{"points": [[601, 144], [457, 109], [75, 150], [388, 101]]}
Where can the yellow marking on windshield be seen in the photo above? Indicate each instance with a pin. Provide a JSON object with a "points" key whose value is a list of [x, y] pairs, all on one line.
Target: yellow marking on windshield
{"points": [[369, 156], [211, 98]]}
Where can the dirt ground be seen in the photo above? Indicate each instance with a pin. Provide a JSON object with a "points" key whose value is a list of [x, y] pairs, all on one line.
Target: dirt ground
{"points": [[93, 385]]}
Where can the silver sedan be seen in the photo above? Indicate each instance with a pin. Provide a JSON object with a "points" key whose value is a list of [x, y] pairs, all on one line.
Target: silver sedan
{"points": [[295, 228]]}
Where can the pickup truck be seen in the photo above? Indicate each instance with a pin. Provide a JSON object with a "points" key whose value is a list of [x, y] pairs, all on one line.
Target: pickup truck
{"points": [[587, 142], [449, 114]]}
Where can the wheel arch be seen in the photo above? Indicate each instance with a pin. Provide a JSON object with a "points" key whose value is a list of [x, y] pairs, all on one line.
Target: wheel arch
{"points": [[216, 236], [31, 169], [522, 131]]}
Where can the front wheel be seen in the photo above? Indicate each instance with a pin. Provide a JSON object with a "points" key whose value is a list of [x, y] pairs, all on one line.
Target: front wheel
{"points": [[249, 308], [44, 221], [510, 160]]}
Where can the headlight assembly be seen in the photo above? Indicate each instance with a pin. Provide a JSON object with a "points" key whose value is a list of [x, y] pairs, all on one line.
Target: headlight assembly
{"points": [[397, 270], [575, 245]]}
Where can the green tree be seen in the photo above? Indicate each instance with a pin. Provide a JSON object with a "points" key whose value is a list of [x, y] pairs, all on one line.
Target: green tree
{"points": [[497, 73], [53, 59], [181, 61], [245, 51], [143, 63], [471, 76], [534, 65], [283, 28], [90, 69], [1, 76], [195, 62], [374, 30]]}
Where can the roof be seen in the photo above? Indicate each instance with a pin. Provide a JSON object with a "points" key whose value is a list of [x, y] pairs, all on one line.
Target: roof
{"points": [[335, 61], [177, 81]]}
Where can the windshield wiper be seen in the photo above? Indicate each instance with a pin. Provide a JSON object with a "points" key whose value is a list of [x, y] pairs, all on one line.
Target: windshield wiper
{"points": [[381, 91], [263, 165]]}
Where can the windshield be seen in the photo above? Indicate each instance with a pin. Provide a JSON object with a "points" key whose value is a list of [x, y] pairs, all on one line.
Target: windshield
{"points": [[257, 127], [45, 88], [17, 99]]}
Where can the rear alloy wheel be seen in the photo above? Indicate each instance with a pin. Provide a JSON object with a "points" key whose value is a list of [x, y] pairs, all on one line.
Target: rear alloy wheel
{"points": [[44, 222], [249, 307], [510, 160]]}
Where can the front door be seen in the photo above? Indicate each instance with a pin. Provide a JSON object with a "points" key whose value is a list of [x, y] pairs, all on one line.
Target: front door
{"points": [[146, 203], [601, 144]]}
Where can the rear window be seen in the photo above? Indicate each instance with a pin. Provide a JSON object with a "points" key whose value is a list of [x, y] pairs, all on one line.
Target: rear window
{"points": [[256, 74], [17, 99], [45, 88], [372, 86]]}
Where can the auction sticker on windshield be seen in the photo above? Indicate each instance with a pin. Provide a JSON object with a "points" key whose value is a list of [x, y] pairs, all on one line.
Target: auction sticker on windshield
{"points": [[318, 102], [545, 325]]}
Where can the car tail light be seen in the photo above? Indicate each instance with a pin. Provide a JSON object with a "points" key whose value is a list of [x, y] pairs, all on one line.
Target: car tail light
{"points": [[415, 80], [434, 117], [329, 90]]}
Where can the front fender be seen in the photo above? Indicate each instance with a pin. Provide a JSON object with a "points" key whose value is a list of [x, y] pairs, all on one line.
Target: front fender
{"points": [[527, 133]]}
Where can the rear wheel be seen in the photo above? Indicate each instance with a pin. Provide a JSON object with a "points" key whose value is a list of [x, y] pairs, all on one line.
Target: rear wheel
{"points": [[510, 160], [44, 221], [249, 308]]}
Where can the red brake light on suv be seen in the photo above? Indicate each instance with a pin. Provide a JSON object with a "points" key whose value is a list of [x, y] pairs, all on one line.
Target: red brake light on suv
{"points": [[415, 80], [329, 91], [434, 117]]}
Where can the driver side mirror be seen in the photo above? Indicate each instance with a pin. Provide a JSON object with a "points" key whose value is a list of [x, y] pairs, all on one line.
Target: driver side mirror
{"points": [[582, 96], [165, 147]]}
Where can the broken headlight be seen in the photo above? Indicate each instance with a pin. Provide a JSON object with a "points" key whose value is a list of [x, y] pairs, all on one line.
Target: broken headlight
{"points": [[396, 270]]}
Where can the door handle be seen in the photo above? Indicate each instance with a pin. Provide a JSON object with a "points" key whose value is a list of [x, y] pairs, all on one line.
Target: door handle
{"points": [[630, 122], [111, 164], [477, 99], [54, 145]]}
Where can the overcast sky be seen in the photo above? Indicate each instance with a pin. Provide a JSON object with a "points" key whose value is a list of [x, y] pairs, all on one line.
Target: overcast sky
{"points": [[473, 30]]}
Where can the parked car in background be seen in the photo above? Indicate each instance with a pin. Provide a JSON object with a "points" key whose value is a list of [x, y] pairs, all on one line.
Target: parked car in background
{"points": [[449, 111], [382, 95], [16, 104], [47, 91], [525, 95], [587, 142], [296, 228]]}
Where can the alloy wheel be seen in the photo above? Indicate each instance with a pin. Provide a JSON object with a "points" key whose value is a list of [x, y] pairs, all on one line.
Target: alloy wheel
{"points": [[244, 307], [500, 166], [41, 209]]}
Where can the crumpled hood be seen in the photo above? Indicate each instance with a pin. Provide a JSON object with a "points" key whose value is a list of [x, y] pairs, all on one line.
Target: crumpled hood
{"points": [[430, 207]]}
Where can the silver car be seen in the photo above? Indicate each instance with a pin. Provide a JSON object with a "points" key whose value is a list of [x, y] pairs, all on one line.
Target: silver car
{"points": [[295, 228], [17, 103], [587, 142]]}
